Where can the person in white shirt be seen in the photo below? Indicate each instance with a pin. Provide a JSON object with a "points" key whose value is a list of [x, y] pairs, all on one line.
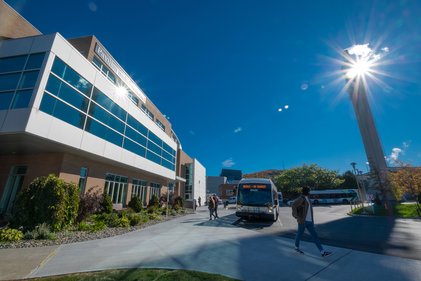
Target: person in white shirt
{"points": [[302, 211]]}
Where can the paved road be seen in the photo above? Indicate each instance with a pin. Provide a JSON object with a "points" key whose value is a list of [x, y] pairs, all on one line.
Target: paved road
{"points": [[193, 242], [381, 235]]}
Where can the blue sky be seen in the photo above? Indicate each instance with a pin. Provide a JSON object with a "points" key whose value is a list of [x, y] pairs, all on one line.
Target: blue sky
{"points": [[221, 70]]}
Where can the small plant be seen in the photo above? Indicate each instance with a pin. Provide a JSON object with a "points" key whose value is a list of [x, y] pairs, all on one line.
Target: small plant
{"points": [[124, 222], [153, 202], [90, 203], [98, 226], [10, 235], [155, 216], [144, 217], [134, 219], [40, 232], [135, 204], [84, 226], [113, 220], [106, 204], [178, 202]]}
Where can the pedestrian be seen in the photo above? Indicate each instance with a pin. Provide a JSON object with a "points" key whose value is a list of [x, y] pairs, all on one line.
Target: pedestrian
{"points": [[302, 211], [194, 205], [211, 207], [199, 200], [216, 199]]}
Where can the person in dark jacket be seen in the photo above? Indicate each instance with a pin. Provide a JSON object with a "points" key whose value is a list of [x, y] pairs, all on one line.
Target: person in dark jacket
{"points": [[302, 211], [215, 210], [211, 207]]}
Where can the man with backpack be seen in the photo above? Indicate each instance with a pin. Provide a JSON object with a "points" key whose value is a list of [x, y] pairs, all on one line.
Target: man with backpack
{"points": [[302, 211]]}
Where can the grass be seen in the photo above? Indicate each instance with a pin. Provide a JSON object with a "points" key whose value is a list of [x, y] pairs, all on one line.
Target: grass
{"points": [[139, 274], [399, 210]]}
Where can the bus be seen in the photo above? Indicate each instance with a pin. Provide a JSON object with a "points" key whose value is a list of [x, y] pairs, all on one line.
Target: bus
{"points": [[257, 198], [333, 196]]}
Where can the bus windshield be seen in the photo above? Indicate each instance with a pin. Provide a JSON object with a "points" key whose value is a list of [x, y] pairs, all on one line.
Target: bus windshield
{"points": [[255, 195]]}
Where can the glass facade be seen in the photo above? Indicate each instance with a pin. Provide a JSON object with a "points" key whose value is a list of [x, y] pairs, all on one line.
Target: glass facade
{"points": [[70, 97], [116, 187], [18, 76], [139, 189], [155, 190]]}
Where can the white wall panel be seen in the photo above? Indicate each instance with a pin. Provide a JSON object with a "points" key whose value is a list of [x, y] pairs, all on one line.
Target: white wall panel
{"points": [[65, 133], [113, 151], [39, 123], [93, 144]]}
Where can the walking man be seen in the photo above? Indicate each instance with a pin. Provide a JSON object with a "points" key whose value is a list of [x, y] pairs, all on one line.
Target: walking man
{"points": [[199, 200], [302, 211], [211, 207], [216, 199]]}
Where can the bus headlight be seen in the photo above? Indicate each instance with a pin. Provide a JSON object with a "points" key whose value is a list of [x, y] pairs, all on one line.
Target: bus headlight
{"points": [[239, 207], [270, 209]]}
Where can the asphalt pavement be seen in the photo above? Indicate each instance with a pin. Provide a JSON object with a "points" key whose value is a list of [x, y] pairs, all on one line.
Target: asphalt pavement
{"points": [[193, 242]]}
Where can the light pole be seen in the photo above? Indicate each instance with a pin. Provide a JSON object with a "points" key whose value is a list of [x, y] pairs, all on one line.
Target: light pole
{"points": [[357, 66]]}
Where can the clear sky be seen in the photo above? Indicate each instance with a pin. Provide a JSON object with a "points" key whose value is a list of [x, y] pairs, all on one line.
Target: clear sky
{"points": [[221, 69]]}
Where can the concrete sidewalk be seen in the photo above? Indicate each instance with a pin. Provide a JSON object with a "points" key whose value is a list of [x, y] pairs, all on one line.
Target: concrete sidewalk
{"points": [[195, 243]]}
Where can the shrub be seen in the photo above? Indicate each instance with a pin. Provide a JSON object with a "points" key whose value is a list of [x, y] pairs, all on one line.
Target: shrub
{"points": [[124, 222], [98, 226], [84, 226], [106, 204], [153, 202], [90, 203], [134, 219], [135, 204], [47, 200], [113, 220], [10, 235], [144, 217], [41, 231], [178, 202], [155, 216]]}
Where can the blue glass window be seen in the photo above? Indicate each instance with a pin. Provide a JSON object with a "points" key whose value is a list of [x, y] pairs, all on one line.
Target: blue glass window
{"points": [[62, 111], [22, 98], [47, 104], [108, 104], [155, 139], [103, 132], [35, 61], [133, 147], [167, 148], [168, 156], [70, 76], [105, 117], [53, 85], [153, 157], [9, 81], [154, 148], [12, 63], [135, 136], [28, 80], [137, 125], [5, 99], [67, 93], [58, 67], [168, 165]]}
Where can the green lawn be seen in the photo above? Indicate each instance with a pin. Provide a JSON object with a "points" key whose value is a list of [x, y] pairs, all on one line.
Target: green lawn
{"points": [[400, 211], [139, 274]]}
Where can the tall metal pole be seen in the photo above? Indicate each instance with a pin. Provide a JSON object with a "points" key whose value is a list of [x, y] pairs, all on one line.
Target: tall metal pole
{"points": [[373, 148]]}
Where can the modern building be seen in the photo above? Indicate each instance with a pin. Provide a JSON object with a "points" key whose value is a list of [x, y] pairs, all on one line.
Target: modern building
{"points": [[233, 176], [68, 108], [213, 183]]}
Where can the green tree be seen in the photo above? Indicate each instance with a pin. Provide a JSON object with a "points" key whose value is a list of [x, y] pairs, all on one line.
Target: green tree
{"points": [[349, 181], [290, 181], [407, 179]]}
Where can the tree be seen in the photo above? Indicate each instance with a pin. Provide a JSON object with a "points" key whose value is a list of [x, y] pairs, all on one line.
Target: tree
{"points": [[407, 179], [290, 181], [349, 181]]}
